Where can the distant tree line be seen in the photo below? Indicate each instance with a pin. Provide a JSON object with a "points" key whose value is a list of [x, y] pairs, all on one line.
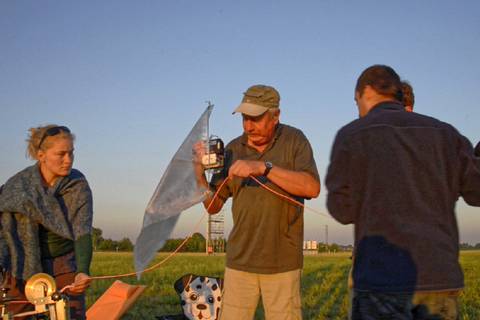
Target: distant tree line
{"points": [[102, 244], [468, 246], [322, 247], [195, 244], [333, 247]]}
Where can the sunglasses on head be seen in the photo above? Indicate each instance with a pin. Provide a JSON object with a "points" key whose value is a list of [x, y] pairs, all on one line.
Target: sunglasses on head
{"points": [[53, 131]]}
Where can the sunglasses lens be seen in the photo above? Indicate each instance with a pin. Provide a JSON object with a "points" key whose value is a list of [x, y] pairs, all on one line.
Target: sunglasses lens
{"points": [[53, 131], [56, 130]]}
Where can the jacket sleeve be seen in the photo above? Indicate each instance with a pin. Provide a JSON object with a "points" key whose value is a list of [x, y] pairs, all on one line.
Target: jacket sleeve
{"points": [[83, 253], [338, 183], [81, 216], [470, 172]]}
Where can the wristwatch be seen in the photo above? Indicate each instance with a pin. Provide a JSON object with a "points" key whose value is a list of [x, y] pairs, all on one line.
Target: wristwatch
{"points": [[268, 167]]}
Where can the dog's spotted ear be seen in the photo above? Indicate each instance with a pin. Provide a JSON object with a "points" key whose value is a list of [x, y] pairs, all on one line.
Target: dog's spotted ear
{"points": [[183, 283]]}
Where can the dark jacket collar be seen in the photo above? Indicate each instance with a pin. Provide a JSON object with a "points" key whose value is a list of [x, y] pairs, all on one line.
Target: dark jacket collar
{"points": [[386, 105]]}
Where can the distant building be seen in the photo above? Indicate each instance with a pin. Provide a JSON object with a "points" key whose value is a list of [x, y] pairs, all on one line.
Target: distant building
{"points": [[310, 245]]}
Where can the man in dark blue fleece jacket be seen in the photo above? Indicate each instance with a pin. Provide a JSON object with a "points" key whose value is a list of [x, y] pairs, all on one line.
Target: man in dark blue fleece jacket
{"points": [[396, 176]]}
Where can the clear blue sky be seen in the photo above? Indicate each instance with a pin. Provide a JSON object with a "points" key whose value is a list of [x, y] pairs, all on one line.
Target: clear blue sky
{"points": [[130, 78]]}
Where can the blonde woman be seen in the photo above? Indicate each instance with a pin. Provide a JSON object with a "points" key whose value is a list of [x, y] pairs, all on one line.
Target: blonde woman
{"points": [[46, 219]]}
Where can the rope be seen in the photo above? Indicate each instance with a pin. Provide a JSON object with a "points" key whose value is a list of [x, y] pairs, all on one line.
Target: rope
{"points": [[17, 302], [155, 266], [296, 202]]}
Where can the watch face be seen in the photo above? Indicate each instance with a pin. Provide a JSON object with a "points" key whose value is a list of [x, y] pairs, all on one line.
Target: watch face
{"points": [[268, 167]]}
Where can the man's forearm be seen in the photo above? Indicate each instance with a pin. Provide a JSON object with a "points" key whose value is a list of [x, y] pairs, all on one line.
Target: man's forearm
{"points": [[297, 183], [217, 205], [214, 207], [199, 152]]}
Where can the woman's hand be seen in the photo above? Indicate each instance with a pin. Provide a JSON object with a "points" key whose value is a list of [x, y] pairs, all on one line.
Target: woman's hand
{"points": [[81, 283]]}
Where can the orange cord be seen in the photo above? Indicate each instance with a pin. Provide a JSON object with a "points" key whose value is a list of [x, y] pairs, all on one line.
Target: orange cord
{"points": [[172, 253], [298, 203], [18, 302], [155, 266]]}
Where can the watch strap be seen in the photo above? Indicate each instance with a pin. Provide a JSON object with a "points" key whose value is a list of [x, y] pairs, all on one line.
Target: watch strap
{"points": [[268, 167]]}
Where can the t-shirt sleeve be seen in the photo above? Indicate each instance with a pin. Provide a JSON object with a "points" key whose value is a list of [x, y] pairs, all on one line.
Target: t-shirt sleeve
{"points": [[303, 158]]}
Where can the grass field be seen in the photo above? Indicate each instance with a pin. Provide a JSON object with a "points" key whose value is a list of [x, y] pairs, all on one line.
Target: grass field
{"points": [[324, 283]]}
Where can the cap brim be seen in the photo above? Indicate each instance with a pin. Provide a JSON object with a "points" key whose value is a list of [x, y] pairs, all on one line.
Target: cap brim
{"points": [[250, 109]]}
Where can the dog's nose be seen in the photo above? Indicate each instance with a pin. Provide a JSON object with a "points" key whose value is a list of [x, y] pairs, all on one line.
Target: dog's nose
{"points": [[201, 306]]}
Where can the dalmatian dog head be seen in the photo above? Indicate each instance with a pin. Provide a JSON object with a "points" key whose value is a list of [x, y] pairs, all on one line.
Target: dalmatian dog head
{"points": [[200, 296]]}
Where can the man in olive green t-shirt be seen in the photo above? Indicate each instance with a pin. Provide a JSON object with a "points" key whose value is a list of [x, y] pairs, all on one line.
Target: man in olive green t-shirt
{"points": [[264, 254]]}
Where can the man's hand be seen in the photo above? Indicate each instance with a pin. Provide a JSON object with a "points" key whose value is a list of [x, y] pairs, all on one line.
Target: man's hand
{"points": [[297, 183], [199, 150], [245, 168], [80, 284]]}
